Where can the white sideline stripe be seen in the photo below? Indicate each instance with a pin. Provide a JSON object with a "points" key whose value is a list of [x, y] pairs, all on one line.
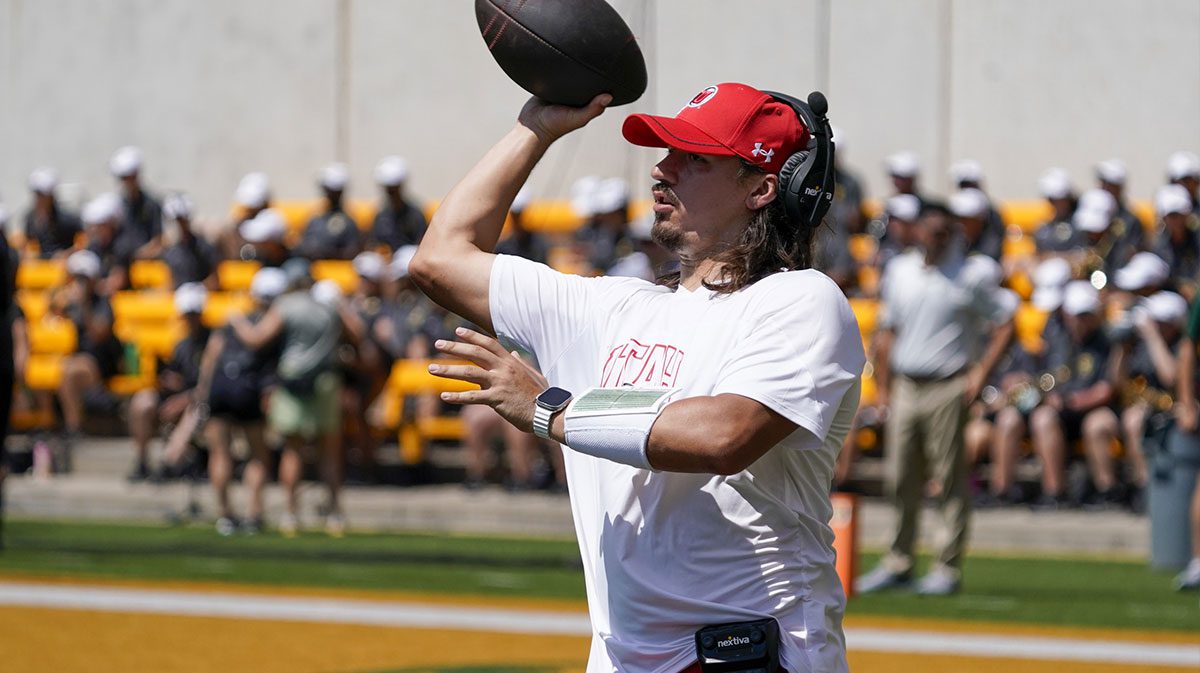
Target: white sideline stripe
{"points": [[249, 606], [1022, 647], [544, 622]]}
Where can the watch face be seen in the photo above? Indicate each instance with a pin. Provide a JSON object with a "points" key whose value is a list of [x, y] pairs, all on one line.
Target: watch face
{"points": [[553, 398]]}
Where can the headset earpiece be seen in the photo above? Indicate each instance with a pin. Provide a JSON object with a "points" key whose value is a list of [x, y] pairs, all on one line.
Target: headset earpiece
{"points": [[806, 181], [788, 170]]}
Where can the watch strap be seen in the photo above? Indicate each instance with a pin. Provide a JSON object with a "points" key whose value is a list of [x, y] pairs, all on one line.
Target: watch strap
{"points": [[541, 420]]}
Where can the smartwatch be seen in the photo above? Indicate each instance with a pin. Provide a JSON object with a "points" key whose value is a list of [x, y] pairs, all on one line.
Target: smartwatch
{"points": [[550, 402]]}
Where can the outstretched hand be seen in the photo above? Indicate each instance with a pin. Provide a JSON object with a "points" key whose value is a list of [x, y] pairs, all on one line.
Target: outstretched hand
{"points": [[507, 383], [551, 122]]}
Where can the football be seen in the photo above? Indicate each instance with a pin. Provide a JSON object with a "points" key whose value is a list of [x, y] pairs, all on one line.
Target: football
{"points": [[564, 51]]}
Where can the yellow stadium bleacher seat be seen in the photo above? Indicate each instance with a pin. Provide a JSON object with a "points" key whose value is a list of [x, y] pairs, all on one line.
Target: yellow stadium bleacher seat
{"points": [[128, 384], [34, 304], [44, 371], [150, 274], [142, 307], [873, 208], [870, 389], [412, 377], [235, 275], [1144, 211], [868, 279], [340, 271], [52, 336], [158, 341], [1022, 284], [363, 213], [1028, 324], [1025, 215], [1018, 245], [221, 304], [867, 312], [51, 340], [863, 248], [41, 274]]}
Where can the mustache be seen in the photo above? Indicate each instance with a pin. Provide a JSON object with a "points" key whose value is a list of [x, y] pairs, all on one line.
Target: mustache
{"points": [[668, 194]]}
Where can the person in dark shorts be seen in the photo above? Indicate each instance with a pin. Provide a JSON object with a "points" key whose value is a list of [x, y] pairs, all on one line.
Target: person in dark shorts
{"points": [[170, 403], [1007, 391], [234, 380], [98, 355], [1079, 404], [305, 407], [367, 372], [111, 241], [1146, 368]]}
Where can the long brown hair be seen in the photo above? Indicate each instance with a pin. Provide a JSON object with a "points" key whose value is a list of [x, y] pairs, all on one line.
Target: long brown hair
{"points": [[769, 244]]}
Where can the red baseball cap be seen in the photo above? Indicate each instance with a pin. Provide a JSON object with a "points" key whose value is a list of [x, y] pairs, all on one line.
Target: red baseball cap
{"points": [[727, 119]]}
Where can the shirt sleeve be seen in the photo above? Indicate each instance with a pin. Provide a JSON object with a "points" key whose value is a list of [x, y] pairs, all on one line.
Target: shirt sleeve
{"points": [[801, 357], [886, 317], [542, 311], [984, 274]]}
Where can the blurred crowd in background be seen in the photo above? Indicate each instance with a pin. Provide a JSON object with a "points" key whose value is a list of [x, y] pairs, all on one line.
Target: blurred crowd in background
{"points": [[1099, 291]]}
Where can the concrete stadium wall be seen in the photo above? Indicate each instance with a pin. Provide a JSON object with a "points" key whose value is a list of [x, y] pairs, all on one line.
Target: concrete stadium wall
{"points": [[217, 88]]}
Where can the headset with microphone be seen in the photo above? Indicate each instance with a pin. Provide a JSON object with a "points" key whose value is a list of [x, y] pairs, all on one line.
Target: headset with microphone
{"points": [[806, 181]]}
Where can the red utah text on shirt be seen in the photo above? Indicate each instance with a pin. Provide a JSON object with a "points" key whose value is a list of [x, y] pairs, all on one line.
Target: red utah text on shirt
{"points": [[637, 364]]}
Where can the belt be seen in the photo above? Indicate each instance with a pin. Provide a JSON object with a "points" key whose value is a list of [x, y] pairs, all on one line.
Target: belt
{"points": [[933, 378]]}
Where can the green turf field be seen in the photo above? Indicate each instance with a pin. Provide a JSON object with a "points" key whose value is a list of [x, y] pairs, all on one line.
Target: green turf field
{"points": [[1070, 592]]}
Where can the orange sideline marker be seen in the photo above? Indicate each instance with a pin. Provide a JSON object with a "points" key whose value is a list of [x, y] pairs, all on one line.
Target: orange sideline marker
{"points": [[845, 538]]}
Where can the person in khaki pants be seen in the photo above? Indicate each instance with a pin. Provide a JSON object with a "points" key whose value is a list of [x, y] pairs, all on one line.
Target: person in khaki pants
{"points": [[943, 326]]}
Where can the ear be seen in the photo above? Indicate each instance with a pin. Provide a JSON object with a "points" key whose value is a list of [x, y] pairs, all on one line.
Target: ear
{"points": [[765, 190]]}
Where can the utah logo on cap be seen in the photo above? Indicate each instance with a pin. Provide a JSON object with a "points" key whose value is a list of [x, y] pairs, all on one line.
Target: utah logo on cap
{"points": [[703, 97]]}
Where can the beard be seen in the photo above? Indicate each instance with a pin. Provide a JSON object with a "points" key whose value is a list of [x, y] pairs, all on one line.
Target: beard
{"points": [[662, 233], [666, 236]]}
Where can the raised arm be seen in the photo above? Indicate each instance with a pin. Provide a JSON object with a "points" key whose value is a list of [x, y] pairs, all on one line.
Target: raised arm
{"points": [[1165, 365], [259, 334], [453, 264]]}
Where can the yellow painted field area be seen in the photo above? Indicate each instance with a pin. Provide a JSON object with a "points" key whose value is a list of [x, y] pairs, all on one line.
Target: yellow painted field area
{"points": [[70, 641], [67, 639]]}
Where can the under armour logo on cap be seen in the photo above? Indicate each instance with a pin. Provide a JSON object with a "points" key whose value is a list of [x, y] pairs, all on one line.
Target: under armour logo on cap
{"points": [[765, 154]]}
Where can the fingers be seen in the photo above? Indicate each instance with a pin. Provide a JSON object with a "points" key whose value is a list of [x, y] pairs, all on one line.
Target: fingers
{"points": [[469, 373], [477, 354], [482, 340], [465, 397], [597, 105]]}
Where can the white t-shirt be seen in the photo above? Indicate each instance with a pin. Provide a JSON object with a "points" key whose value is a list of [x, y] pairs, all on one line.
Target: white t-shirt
{"points": [[940, 313], [666, 553]]}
